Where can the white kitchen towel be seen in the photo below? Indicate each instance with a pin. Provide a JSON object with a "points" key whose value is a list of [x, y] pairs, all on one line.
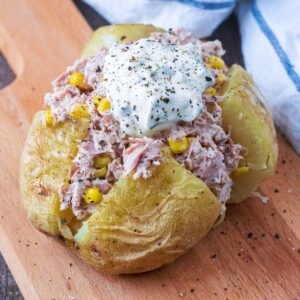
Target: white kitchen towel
{"points": [[270, 31]]}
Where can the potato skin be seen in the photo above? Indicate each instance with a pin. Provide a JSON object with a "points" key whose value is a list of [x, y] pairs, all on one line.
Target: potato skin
{"points": [[106, 36], [251, 125], [144, 224], [45, 163]]}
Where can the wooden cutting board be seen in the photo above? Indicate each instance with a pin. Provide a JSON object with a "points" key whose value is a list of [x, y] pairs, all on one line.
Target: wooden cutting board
{"points": [[254, 254]]}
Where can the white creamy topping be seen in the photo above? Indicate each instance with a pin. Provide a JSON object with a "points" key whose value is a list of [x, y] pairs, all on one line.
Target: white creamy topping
{"points": [[152, 85]]}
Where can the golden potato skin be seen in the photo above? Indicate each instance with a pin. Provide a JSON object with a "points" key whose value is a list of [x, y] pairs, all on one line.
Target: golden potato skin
{"points": [[45, 164], [106, 36], [252, 126], [144, 224]]}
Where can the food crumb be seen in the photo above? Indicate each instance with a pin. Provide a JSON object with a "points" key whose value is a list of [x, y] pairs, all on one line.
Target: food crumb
{"points": [[250, 235], [181, 294], [277, 236]]}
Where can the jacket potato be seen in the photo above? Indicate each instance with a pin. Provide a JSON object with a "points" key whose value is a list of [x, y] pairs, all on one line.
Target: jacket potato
{"points": [[142, 224]]}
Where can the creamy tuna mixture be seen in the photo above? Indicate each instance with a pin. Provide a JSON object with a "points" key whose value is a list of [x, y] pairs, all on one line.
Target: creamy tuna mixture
{"points": [[156, 90]]}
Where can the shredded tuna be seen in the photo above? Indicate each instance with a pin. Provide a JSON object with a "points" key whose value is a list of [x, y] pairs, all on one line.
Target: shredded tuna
{"points": [[211, 155], [141, 155], [177, 36]]}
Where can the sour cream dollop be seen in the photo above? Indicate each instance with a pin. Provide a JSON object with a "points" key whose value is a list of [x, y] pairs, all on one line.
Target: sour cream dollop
{"points": [[152, 85]]}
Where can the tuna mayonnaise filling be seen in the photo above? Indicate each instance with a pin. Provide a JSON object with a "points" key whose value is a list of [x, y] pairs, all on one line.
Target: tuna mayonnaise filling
{"points": [[211, 154]]}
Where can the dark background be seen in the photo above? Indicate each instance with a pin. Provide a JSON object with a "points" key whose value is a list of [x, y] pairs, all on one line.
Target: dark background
{"points": [[227, 33]]}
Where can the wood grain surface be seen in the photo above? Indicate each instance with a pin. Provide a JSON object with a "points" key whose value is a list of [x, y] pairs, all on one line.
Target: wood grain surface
{"points": [[254, 254]]}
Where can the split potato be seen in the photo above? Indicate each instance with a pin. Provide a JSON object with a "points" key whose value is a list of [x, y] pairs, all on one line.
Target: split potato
{"points": [[251, 125], [141, 224]]}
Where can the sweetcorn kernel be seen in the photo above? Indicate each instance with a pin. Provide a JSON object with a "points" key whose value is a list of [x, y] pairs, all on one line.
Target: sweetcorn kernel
{"points": [[101, 172], [76, 79], [48, 118], [92, 196], [97, 99], [102, 161], [79, 110], [211, 91], [240, 171], [221, 78], [103, 105], [179, 146], [216, 62]]}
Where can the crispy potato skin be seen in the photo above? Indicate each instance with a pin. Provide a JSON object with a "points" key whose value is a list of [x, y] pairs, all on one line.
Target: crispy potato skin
{"points": [[145, 224], [106, 36], [251, 125], [45, 164]]}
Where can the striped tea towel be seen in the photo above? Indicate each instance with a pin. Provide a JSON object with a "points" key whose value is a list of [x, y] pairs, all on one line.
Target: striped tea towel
{"points": [[270, 31]]}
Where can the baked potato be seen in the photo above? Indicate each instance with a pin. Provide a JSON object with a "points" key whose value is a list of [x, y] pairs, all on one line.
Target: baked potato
{"points": [[251, 125], [142, 224]]}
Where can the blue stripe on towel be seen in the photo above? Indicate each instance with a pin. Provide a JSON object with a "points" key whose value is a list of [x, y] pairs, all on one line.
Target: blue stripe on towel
{"points": [[207, 5], [289, 68]]}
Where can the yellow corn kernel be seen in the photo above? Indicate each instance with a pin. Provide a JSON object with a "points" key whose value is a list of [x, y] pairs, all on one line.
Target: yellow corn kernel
{"points": [[239, 171], [79, 110], [103, 105], [92, 196], [97, 99], [216, 62], [179, 146], [77, 79], [100, 173], [48, 118], [102, 161], [221, 78], [211, 91]]}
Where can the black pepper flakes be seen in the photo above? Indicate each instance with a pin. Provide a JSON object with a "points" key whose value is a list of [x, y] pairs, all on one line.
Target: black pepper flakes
{"points": [[250, 235], [277, 236]]}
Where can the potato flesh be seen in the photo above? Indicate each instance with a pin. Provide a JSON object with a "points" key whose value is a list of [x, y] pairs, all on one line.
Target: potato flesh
{"points": [[106, 36], [45, 164], [251, 125], [144, 224]]}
